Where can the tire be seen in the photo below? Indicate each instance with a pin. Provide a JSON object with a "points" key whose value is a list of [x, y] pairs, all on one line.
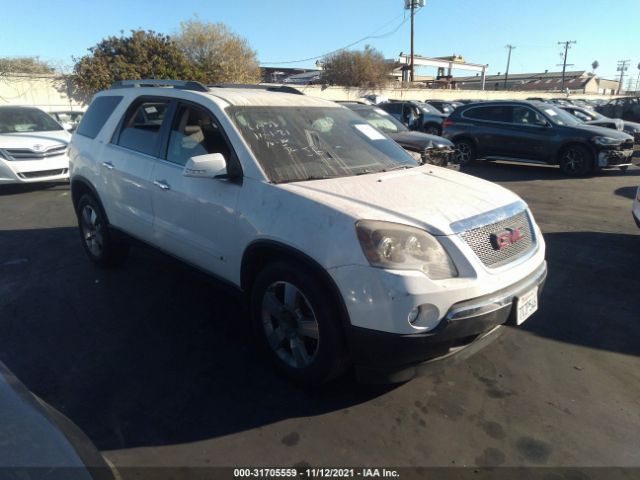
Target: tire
{"points": [[297, 323], [576, 161], [465, 153], [432, 129], [96, 238]]}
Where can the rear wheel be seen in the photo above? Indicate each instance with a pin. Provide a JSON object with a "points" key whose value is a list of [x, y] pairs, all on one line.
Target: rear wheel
{"points": [[297, 323], [465, 152], [97, 241], [576, 160]]}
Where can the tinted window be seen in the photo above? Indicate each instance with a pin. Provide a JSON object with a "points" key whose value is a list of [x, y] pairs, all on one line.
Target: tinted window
{"points": [[96, 116], [195, 132], [142, 126], [526, 116], [392, 107], [497, 113]]}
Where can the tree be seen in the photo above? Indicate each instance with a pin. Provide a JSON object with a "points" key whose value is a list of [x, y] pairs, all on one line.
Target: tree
{"points": [[217, 54], [143, 54], [360, 68], [24, 65], [595, 65]]}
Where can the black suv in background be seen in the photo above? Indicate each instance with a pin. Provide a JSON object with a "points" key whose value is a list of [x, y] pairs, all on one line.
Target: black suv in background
{"points": [[416, 115], [535, 132]]}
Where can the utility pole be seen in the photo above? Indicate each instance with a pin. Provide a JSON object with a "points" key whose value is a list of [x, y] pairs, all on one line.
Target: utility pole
{"points": [[567, 45], [623, 66], [506, 75], [412, 5], [413, 9]]}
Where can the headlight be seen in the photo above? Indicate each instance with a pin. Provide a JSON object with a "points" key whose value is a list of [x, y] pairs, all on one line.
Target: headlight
{"points": [[401, 247], [606, 141]]}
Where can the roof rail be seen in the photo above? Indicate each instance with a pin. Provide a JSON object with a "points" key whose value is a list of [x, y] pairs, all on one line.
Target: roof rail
{"points": [[179, 84], [268, 88]]}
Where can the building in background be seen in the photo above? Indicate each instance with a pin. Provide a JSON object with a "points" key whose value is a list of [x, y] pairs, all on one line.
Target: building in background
{"points": [[575, 81]]}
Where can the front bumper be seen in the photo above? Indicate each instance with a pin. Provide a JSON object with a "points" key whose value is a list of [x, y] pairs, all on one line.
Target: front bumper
{"points": [[615, 158], [382, 357], [29, 171]]}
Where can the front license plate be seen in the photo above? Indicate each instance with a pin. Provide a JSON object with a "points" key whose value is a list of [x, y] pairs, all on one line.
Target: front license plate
{"points": [[527, 304]]}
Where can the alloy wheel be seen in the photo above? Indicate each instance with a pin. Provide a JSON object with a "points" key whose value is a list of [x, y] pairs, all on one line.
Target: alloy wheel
{"points": [[92, 230], [290, 324]]}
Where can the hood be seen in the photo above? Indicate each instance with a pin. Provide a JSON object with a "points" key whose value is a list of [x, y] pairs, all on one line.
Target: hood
{"points": [[605, 123], [602, 131], [29, 139], [428, 197], [419, 141], [631, 126]]}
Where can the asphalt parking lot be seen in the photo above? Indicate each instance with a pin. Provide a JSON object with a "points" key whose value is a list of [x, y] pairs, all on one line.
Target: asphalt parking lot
{"points": [[155, 364]]}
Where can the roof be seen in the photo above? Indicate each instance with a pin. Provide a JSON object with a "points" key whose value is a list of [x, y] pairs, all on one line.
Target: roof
{"points": [[249, 97]]}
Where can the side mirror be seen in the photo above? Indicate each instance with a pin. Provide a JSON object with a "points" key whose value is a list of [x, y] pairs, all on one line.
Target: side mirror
{"points": [[211, 165]]}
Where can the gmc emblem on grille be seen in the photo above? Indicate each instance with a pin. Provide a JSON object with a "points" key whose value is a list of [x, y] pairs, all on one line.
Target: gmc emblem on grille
{"points": [[507, 237]]}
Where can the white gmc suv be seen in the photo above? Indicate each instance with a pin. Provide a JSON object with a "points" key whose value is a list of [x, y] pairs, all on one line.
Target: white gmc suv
{"points": [[349, 252]]}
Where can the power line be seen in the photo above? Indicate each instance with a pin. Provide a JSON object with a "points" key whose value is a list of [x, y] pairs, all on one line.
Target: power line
{"points": [[370, 36]]}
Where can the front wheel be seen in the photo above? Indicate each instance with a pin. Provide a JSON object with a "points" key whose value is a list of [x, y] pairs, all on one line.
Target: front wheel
{"points": [[298, 324], [576, 161], [97, 241], [465, 152]]}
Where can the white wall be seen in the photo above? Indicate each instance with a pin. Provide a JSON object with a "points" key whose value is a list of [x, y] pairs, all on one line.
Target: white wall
{"points": [[45, 91], [49, 92]]}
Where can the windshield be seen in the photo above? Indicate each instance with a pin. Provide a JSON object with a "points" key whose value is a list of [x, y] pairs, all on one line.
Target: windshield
{"points": [[15, 120], [381, 120], [559, 116], [295, 144]]}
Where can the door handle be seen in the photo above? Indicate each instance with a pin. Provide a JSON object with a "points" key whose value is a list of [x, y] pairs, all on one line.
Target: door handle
{"points": [[161, 184], [108, 165]]}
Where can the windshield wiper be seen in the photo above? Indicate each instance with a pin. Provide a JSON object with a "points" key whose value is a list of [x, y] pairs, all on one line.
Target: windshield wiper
{"points": [[397, 167]]}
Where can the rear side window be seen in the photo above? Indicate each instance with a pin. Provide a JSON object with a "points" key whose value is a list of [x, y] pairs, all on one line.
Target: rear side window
{"points": [[392, 107], [142, 126], [96, 116], [497, 113]]}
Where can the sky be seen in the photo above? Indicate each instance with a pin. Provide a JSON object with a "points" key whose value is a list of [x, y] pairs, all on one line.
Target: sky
{"points": [[283, 31]]}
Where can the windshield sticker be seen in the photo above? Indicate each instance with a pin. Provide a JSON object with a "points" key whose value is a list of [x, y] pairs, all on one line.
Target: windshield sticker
{"points": [[370, 132], [548, 111]]}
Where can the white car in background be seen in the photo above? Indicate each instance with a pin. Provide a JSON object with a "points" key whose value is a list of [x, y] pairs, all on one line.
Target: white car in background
{"points": [[33, 146], [636, 208]]}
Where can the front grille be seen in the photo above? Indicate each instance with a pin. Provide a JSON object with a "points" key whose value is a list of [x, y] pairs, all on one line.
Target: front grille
{"points": [[439, 156], [30, 154], [479, 239], [43, 173], [636, 138]]}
